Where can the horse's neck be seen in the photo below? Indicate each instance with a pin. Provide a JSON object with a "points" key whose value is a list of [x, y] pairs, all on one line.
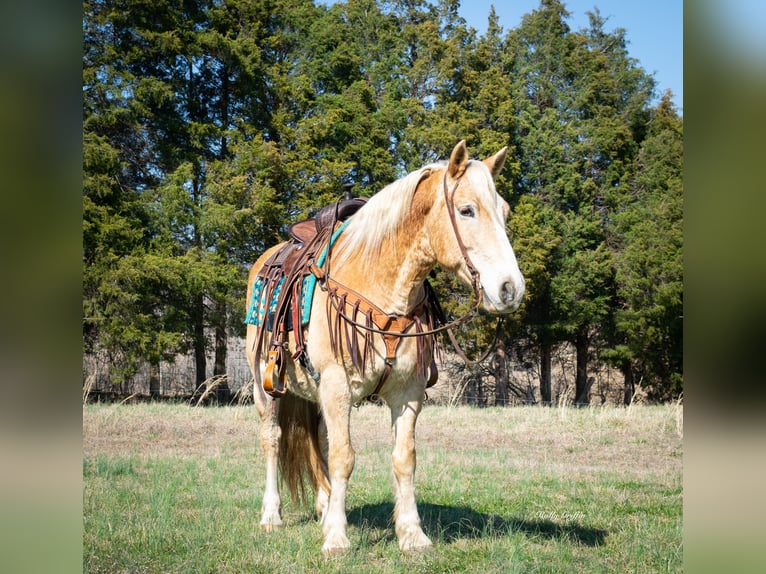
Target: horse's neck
{"points": [[409, 275], [394, 281]]}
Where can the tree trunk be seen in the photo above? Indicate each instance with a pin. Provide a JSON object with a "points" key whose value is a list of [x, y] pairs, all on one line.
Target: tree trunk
{"points": [[545, 374], [219, 368], [470, 392], [200, 360], [198, 298], [475, 391], [629, 387], [154, 381], [224, 75], [501, 376], [582, 387]]}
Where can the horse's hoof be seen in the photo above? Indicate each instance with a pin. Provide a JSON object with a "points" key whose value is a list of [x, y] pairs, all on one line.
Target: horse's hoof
{"points": [[418, 550], [416, 544], [271, 526], [335, 545], [333, 552]]}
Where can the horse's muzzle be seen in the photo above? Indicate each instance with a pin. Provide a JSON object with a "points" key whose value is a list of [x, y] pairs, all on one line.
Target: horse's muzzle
{"points": [[508, 298]]}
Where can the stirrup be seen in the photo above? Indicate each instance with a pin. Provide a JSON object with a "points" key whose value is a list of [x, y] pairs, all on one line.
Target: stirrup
{"points": [[275, 371]]}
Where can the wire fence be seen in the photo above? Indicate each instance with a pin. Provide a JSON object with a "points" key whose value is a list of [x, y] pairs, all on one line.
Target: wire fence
{"points": [[458, 384]]}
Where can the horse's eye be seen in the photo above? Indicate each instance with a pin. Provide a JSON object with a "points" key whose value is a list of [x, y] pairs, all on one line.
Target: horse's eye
{"points": [[467, 211]]}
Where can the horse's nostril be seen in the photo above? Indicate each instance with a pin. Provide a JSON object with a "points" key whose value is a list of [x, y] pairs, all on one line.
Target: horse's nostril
{"points": [[507, 292]]}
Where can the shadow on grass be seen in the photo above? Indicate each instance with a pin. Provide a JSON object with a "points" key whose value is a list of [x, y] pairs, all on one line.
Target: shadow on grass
{"points": [[451, 523]]}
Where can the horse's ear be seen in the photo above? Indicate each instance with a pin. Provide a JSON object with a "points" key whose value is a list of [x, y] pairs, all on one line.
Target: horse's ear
{"points": [[458, 160], [495, 163]]}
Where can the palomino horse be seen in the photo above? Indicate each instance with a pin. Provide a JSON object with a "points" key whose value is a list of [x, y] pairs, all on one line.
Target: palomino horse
{"points": [[446, 213]]}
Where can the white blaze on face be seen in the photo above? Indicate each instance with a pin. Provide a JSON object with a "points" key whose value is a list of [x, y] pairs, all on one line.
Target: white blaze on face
{"points": [[481, 214]]}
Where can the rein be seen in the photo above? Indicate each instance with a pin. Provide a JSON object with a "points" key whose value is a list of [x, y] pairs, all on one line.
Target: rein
{"points": [[441, 328]]}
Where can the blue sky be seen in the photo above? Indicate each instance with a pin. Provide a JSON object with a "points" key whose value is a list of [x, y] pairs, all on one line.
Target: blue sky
{"points": [[654, 30]]}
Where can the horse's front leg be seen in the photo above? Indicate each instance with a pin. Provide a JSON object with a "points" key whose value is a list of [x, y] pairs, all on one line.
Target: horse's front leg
{"points": [[407, 520], [322, 495], [336, 412]]}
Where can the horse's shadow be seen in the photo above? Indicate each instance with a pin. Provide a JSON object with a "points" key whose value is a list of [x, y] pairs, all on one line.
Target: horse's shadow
{"points": [[451, 523]]}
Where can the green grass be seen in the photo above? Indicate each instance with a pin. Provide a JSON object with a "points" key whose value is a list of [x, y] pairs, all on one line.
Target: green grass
{"points": [[173, 489]]}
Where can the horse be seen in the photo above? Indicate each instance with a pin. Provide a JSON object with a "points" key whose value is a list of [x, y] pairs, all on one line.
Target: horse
{"points": [[446, 213]]}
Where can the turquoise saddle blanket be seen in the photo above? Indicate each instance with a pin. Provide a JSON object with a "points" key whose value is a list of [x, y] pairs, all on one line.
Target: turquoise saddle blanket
{"points": [[258, 306]]}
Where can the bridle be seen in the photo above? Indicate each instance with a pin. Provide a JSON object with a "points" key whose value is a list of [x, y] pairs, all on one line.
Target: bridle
{"points": [[449, 199]]}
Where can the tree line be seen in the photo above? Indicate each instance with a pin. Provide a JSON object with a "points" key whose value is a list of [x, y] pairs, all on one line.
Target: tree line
{"points": [[210, 125]]}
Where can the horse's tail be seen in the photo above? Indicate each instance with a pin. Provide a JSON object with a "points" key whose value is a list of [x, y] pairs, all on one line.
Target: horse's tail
{"points": [[300, 457]]}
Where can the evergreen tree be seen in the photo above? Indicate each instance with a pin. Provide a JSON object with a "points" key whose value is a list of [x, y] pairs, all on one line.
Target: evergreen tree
{"points": [[536, 241], [174, 82], [123, 312], [574, 141], [648, 238]]}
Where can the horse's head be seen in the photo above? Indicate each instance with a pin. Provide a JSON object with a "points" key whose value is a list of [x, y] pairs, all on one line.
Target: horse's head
{"points": [[478, 217]]}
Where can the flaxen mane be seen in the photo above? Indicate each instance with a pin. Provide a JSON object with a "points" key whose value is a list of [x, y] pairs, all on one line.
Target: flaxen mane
{"points": [[385, 211], [380, 218]]}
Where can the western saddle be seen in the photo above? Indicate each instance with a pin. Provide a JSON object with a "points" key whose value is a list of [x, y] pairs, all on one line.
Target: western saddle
{"points": [[283, 279]]}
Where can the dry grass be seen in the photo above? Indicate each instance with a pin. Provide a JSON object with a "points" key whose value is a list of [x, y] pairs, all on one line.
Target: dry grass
{"points": [[159, 429], [643, 441]]}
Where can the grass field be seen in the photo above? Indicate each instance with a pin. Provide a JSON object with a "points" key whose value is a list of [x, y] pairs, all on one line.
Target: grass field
{"points": [[169, 488]]}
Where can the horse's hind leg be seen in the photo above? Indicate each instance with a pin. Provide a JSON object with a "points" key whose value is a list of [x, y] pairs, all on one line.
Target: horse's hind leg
{"points": [[270, 433], [407, 520], [271, 509]]}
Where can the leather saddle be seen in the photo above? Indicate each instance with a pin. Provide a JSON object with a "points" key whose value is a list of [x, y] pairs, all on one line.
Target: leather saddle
{"points": [[282, 282], [326, 218]]}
